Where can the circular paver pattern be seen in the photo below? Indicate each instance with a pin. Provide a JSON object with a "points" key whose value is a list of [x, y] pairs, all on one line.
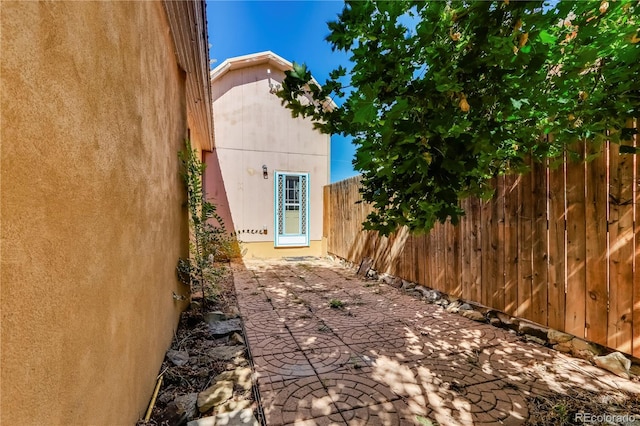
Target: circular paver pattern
{"points": [[297, 400], [387, 414], [351, 335], [351, 317], [329, 359], [464, 340], [393, 358], [316, 338], [307, 324], [403, 350], [283, 366], [268, 325], [267, 344], [350, 391], [461, 393]]}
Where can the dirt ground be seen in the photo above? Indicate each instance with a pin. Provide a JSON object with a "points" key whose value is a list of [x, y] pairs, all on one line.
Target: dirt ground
{"points": [[193, 336]]}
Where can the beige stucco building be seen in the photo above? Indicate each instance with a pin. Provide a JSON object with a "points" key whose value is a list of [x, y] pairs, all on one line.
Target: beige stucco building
{"points": [[97, 99], [273, 166]]}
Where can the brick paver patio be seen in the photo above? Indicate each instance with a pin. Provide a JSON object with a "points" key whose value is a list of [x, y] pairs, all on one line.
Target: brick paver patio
{"points": [[386, 358]]}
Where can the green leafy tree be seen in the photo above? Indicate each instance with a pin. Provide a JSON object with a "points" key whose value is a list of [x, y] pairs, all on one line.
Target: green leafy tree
{"points": [[445, 95]]}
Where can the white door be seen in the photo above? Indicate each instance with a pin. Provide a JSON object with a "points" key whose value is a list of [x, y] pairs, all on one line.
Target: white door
{"points": [[292, 209]]}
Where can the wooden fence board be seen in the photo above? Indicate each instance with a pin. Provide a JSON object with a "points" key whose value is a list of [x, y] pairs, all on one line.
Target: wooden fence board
{"points": [[557, 255], [326, 212], [454, 262], [410, 258], [440, 265], [525, 247], [486, 262], [511, 244], [432, 247], [596, 247], [475, 273], [421, 257], [621, 242], [465, 250], [635, 350], [539, 250], [636, 258], [497, 245], [576, 246]]}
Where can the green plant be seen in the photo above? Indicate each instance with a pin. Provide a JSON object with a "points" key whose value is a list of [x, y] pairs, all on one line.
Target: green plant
{"points": [[425, 421], [336, 304], [445, 95], [209, 239]]}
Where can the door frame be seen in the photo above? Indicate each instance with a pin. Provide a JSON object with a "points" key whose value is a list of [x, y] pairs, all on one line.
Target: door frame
{"points": [[291, 240]]}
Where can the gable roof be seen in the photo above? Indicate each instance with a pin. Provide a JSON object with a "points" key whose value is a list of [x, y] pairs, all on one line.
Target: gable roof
{"points": [[251, 60], [246, 61]]}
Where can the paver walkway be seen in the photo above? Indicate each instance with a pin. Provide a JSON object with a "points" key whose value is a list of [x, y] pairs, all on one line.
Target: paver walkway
{"points": [[387, 358]]}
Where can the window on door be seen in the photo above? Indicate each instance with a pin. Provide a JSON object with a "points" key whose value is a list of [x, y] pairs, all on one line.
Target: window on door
{"points": [[291, 209]]}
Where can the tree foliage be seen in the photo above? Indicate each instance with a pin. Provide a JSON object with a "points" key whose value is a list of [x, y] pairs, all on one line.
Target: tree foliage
{"points": [[445, 95]]}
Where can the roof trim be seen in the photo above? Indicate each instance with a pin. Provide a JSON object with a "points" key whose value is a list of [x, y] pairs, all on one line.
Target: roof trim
{"points": [[245, 61], [188, 25]]}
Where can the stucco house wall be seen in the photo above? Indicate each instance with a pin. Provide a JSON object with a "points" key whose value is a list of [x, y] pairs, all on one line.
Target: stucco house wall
{"points": [[253, 129], [93, 112]]}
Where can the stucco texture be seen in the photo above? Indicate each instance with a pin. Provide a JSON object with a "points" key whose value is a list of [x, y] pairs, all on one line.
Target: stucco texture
{"points": [[253, 129], [93, 216]]}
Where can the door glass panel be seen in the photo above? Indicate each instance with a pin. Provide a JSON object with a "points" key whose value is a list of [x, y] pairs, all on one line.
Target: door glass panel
{"points": [[292, 205], [292, 220]]}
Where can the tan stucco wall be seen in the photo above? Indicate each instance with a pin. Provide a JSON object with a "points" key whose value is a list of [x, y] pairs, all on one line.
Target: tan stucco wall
{"points": [[215, 190], [92, 116], [253, 129], [266, 250]]}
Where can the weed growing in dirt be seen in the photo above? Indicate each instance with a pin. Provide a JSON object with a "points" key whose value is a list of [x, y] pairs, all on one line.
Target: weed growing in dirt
{"points": [[336, 304], [559, 409], [209, 241]]}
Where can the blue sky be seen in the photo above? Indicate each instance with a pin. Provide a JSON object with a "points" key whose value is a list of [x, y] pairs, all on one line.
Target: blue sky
{"points": [[295, 30]]}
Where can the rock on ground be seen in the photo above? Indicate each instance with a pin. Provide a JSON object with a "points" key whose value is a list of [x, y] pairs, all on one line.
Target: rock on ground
{"points": [[233, 405], [225, 353], [583, 349], [615, 362], [241, 376], [465, 307], [178, 357], [223, 328], [215, 316], [214, 395], [236, 339], [473, 315], [453, 307], [555, 336], [535, 330]]}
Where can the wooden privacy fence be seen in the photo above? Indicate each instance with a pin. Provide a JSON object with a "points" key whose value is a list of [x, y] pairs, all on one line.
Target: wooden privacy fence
{"points": [[558, 247]]}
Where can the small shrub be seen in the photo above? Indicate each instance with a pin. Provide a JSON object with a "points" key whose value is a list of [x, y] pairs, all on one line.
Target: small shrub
{"points": [[336, 304]]}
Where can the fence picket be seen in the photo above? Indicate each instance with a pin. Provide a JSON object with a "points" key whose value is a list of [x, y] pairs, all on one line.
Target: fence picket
{"points": [[596, 247], [557, 255], [525, 247], [576, 246], [621, 242], [539, 250], [511, 244]]}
